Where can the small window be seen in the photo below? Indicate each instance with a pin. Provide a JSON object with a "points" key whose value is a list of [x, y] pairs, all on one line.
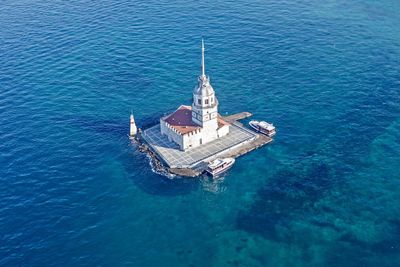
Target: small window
{"points": [[206, 101], [199, 101]]}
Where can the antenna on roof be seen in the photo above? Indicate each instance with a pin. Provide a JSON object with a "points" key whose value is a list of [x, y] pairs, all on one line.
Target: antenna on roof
{"points": [[203, 64]]}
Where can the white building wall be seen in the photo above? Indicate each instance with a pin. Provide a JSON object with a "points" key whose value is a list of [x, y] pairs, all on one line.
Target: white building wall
{"points": [[205, 135], [171, 134], [162, 127], [191, 140], [194, 139], [209, 133], [211, 125], [224, 130], [202, 115]]}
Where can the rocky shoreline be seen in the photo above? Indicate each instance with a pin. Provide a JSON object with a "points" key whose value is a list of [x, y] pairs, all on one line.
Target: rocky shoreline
{"points": [[155, 163]]}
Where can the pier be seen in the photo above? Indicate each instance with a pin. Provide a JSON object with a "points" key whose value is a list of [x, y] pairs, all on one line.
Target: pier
{"points": [[193, 162], [234, 118]]}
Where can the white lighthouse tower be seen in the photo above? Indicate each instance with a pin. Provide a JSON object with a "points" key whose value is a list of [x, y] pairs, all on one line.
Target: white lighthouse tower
{"points": [[133, 128], [205, 103], [200, 123]]}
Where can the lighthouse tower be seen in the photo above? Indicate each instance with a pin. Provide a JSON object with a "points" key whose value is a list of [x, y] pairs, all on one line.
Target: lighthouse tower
{"points": [[200, 123], [205, 103], [133, 128]]}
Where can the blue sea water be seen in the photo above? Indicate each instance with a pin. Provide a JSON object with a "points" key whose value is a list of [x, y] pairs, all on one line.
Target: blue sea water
{"points": [[74, 191]]}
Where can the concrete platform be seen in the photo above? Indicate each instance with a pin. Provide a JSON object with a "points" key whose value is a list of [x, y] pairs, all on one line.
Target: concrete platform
{"points": [[237, 117], [169, 152]]}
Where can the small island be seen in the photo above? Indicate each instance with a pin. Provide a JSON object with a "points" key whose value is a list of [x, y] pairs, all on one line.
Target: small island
{"points": [[185, 141]]}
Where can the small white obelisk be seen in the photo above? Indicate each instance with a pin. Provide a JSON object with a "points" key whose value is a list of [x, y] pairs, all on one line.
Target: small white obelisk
{"points": [[133, 128]]}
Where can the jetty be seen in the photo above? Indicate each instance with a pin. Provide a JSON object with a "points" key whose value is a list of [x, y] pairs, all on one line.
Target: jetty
{"points": [[168, 158], [234, 118]]}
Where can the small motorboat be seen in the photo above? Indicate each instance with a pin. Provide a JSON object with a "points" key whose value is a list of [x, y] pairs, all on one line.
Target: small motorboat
{"points": [[263, 127], [219, 166]]}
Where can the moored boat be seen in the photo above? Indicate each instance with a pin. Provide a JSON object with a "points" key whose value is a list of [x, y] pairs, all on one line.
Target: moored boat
{"points": [[219, 166], [263, 127]]}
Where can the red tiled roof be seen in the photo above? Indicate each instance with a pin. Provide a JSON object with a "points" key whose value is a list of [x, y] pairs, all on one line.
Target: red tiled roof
{"points": [[181, 120], [221, 122]]}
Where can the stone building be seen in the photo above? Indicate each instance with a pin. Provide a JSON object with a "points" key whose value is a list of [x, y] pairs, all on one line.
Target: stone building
{"points": [[200, 123]]}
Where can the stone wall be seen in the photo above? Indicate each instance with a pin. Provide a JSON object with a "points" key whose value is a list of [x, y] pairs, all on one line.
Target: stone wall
{"points": [[171, 134]]}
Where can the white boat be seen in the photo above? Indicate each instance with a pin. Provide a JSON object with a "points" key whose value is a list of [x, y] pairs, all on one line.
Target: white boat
{"points": [[219, 166], [263, 127]]}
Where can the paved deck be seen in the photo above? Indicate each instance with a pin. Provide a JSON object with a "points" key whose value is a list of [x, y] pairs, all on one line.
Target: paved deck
{"points": [[176, 158]]}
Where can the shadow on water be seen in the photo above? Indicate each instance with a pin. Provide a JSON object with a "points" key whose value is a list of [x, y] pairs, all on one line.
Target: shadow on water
{"points": [[386, 246], [290, 196], [349, 250], [292, 192], [137, 165], [279, 201]]}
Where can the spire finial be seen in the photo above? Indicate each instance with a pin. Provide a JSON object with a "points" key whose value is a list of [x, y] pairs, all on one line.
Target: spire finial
{"points": [[203, 65]]}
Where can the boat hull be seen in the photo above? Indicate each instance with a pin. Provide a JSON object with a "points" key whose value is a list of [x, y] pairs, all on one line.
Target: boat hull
{"points": [[261, 130], [215, 173]]}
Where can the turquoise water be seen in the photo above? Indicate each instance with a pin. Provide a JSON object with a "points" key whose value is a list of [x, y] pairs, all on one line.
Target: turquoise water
{"points": [[75, 192]]}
